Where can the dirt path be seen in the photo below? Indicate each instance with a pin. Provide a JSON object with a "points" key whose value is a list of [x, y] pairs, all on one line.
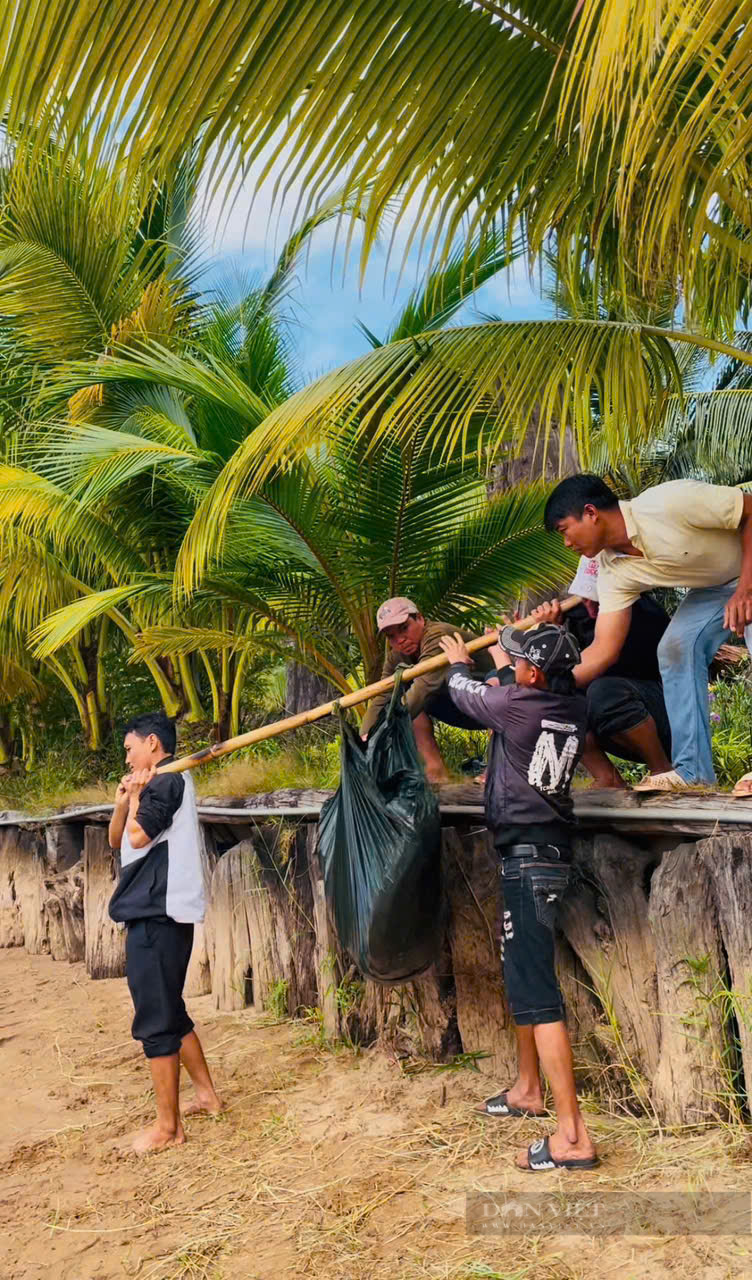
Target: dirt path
{"points": [[333, 1165]]}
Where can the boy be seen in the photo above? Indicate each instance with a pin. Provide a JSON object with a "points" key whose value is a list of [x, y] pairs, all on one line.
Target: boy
{"points": [[539, 725], [160, 896]]}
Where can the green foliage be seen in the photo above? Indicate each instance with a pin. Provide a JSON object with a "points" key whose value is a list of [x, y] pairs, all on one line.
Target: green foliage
{"points": [[730, 703], [464, 1061], [276, 1000], [731, 722]]}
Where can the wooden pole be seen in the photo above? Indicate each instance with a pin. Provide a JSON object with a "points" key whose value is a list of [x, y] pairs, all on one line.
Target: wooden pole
{"points": [[347, 700]]}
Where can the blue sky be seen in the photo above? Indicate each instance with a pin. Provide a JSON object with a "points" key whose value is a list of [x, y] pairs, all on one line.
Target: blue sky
{"points": [[327, 305]]}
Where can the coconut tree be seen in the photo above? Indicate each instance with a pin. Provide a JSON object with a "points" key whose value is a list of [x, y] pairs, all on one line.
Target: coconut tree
{"points": [[302, 567], [619, 127]]}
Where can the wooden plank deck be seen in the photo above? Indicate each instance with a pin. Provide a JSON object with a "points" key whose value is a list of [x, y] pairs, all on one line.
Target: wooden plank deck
{"points": [[693, 813]]}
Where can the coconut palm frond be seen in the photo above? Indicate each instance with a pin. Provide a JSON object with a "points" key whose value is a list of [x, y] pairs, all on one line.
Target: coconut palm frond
{"points": [[482, 382], [495, 555], [450, 284], [63, 625], [404, 99]]}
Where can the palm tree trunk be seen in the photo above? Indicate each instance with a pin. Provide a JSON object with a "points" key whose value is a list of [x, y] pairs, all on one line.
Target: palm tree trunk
{"points": [[85, 703], [102, 700], [306, 689], [162, 674], [237, 689], [6, 741], [214, 687], [194, 710]]}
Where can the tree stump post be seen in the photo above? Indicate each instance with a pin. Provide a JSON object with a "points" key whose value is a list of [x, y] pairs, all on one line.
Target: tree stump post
{"points": [[11, 922], [689, 1086], [198, 981], [483, 1018], [328, 961], [64, 909], [261, 922], [105, 940], [728, 860], [604, 916], [227, 925]]}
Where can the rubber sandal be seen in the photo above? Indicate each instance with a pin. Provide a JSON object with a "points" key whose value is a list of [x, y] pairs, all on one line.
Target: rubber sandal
{"points": [[540, 1160], [500, 1108], [746, 791]]}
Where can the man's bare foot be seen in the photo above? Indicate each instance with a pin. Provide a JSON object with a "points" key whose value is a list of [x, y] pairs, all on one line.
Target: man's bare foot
{"points": [[154, 1138], [436, 777], [617, 784], [525, 1101], [211, 1105], [561, 1149]]}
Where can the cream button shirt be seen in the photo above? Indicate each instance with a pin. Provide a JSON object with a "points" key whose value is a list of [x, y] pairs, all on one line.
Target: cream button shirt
{"points": [[688, 533]]}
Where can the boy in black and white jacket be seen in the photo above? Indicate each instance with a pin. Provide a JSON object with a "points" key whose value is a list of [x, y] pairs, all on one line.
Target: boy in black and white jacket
{"points": [[159, 897], [539, 735]]}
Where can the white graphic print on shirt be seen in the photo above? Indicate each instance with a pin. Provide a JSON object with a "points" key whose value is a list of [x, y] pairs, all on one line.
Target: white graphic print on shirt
{"points": [[549, 772]]}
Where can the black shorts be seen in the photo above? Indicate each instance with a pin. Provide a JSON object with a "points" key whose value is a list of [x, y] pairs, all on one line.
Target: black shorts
{"points": [[531, 889], [616, 703], [157, 951]]}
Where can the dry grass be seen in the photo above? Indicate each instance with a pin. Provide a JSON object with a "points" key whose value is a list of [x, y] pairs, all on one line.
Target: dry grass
{"points": [[334, 1166]]}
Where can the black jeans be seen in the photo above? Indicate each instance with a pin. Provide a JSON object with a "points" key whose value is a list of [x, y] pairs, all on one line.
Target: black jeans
{"points": [[157, 951], [532, 887]]}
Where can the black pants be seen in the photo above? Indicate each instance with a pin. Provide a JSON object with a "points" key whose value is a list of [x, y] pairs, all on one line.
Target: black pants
{"points": [[616, 703], [532, 887], [157, 951]]}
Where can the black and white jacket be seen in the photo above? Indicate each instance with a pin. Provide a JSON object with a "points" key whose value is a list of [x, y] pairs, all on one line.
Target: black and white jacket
{"points": [[165, 878], [538, 739]]}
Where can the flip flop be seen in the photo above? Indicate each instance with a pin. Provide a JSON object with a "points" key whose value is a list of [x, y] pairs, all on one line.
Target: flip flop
{"points": [[500, 1108], [741, 790], [540, 1160]]}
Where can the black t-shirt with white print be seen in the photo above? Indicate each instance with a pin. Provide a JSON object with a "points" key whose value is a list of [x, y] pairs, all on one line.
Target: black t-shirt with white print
{"points": [[538, 739], [165, 878]]}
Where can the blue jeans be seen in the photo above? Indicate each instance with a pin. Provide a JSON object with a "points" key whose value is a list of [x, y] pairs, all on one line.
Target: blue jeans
{"points": [[689, 645]]}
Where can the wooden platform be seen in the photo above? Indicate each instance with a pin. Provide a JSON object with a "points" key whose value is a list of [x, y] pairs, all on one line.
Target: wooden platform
{"points": [[694, 814]]}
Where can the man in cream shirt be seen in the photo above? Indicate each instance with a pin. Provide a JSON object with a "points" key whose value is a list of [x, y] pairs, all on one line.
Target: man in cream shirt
{"points": [[680, 534]]}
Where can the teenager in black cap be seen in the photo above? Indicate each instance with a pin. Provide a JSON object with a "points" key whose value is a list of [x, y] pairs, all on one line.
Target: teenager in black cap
{"points": [[539, 735]]}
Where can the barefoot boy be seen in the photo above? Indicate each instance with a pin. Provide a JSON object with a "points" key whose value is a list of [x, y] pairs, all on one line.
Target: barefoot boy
{"points": [[160, 896], [539, 725]]}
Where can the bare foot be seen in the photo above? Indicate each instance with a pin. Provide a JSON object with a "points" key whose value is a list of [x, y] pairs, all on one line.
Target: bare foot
{"points": [[595, 785], [153, 1138], [203, 1106], [560, 1149], [437, 778], [525, 1101]]}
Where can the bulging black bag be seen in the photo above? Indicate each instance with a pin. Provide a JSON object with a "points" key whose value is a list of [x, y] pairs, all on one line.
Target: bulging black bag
{"points": [[380, 844]]}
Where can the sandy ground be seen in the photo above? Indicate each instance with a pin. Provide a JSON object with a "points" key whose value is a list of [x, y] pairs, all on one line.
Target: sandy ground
{"points": [[334, 1165]]}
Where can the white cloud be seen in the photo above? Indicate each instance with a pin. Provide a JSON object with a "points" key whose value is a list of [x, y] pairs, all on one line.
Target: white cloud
{"points": [[246, 229]]}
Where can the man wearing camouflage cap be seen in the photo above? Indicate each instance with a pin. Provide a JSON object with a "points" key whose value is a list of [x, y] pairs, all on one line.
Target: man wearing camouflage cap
{"points": [[412, 638]]}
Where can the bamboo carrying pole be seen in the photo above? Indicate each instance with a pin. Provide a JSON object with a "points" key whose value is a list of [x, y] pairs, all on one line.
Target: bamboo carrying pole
{"points": [[347, 700]]}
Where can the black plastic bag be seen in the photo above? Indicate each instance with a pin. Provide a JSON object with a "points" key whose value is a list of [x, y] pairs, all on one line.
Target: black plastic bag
{"points": [[380, 844]]}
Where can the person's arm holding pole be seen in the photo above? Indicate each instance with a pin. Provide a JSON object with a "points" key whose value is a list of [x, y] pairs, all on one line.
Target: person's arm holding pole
{"points": [[326, 709], [119, 815]]}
